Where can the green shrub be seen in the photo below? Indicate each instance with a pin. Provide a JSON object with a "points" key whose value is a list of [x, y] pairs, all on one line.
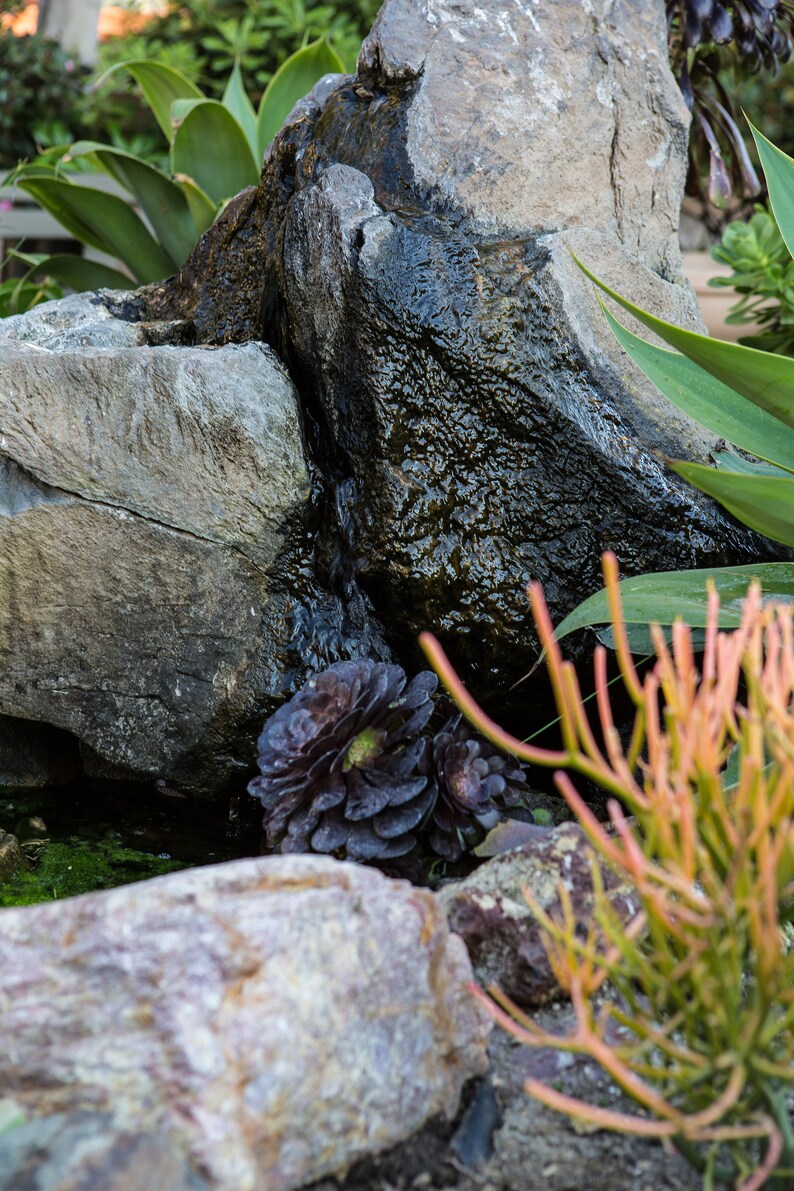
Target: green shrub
{"points": [[763, 273], [208, 37], [37, 79]]}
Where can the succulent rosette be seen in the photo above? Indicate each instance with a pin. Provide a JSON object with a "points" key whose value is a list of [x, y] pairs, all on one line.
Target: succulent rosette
{"points": [[474, 783], [339, 763]]}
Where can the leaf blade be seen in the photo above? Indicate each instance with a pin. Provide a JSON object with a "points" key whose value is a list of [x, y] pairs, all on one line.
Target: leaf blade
{"points": [[211, 148], [293, 79], [161, 85], [709, 401], [161, 200], [103, 221], [779, 173], [661, 597], [765, 379], [763, 502]]}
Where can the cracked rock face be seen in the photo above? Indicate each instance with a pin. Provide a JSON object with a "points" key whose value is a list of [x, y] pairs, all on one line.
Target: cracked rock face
{"points": [[147, 496], [274, 1019]]}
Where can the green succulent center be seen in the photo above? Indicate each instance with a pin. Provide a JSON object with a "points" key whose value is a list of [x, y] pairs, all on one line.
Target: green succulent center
{"points": [[365, 748]]}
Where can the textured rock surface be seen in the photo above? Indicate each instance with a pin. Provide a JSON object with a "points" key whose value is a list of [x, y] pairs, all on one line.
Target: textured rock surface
{"points": [[147, 497], [490, 913], [478, 425], [85, 1151], [531, 1148], [274, 1018]]}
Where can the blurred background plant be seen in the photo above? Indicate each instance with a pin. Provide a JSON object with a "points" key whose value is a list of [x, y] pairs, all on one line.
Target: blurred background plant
{"points": [[714, 47], [763, 274], [687, 1003]]}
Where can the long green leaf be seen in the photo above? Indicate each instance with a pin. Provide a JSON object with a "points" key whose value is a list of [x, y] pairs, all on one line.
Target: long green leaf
{"points": [[713, 404], [80, 274], [160, 199], [105, 222], [202, 208], [211, 147], [235, 99], [663, 597], [765, 379], [765, 503], [730, 461], [779, 171], [293, 79], [161, 85]]}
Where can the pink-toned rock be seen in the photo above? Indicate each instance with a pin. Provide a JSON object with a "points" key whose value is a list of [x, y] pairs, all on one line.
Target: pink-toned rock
{"points": [[276, 1018]]}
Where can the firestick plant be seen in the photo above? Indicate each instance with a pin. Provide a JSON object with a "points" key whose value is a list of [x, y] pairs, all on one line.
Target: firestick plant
{"points": [[702, 977]]}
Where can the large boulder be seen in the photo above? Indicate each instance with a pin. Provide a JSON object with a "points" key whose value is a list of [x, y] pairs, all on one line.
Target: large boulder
{"points": [[152, 503], [274, 1019], [415, 225]]}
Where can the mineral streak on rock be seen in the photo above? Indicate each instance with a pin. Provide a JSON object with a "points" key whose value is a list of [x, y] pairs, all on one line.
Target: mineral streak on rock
{"points": [[274, 1018]]}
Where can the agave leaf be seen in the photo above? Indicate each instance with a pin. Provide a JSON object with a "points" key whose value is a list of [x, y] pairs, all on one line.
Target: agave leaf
{"points": [[161, 200], [202, 208], [161, 85], [764, 379], [235, 99], [211, 148], [293, 79], [764, 502], [179, 110], [663, 597], [709, 401], [80, 274], [730, 461], [779, 172], [105, 222]]}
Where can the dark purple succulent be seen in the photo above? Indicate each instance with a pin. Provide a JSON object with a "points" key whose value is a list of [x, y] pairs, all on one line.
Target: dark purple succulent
{"points": [[475, 783], [758, 34], [339, 763]]}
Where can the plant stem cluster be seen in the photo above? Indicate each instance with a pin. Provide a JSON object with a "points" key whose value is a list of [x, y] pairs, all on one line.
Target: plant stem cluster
{"points": [[701, 978]]}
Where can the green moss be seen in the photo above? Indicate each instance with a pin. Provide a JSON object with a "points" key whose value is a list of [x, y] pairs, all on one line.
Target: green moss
{"points": [[76, 866]]}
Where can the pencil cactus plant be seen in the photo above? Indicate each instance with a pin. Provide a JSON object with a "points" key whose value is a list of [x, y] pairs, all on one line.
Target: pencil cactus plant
{"points": [[699, 1029]]}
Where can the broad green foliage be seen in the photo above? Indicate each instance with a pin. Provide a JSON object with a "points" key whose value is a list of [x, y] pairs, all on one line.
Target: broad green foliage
{"points": [[215, 151], [698, 1025], [743, 395], [763, 274]]}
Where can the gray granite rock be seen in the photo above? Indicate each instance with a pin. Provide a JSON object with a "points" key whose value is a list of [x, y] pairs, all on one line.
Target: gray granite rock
{"points": [[147, 500], [275, 1019], [86, 1151]]}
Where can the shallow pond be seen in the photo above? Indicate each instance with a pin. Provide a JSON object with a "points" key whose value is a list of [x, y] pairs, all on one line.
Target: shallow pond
{"points": [[102, 837]]}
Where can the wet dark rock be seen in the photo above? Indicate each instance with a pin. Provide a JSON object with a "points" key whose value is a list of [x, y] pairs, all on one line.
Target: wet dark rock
{"points": [[86, 1151], [476, 425], [490, 913]]}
